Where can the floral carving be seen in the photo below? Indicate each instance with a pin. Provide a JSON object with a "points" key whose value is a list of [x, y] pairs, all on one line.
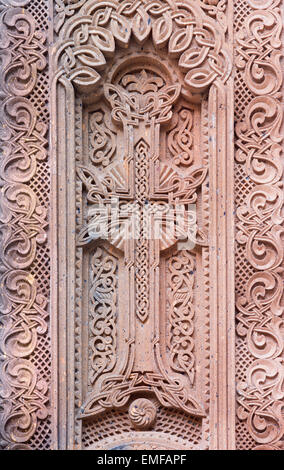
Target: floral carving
{"points": [[23, 222], [181, 342], [261, 400], [103, 313], [259, 140], [142, 413], [216, 9], [89, 34], [23, 400], [260, 314], [116, 391], [102, 139], [64, 9], [180, 139], [260, 225], [195, 46], [141, 102], [23, 140], [19, 75], [23, 229], [193, 33], [258, 51]]}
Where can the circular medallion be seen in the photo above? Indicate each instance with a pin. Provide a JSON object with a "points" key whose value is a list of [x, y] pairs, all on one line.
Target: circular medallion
{"points": [[142, 413]]}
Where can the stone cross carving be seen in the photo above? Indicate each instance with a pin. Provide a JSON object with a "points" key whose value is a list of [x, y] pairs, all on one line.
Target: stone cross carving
{"points": [[141, 103]]}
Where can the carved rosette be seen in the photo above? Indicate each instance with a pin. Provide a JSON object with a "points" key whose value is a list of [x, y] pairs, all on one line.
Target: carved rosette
{"points": [[260, 224], [142, 413], [23, 222]]}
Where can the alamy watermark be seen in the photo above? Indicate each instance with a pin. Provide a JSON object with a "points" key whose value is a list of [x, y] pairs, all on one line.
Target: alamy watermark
{"points": [[124, 220]]}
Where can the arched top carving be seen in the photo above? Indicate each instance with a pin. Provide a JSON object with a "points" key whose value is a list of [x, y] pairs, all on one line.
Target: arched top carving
{"points": [[191, 37]]}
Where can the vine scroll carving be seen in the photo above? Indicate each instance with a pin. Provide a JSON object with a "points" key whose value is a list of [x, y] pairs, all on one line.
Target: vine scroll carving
{"points": [[24, 314], [260, 225]]}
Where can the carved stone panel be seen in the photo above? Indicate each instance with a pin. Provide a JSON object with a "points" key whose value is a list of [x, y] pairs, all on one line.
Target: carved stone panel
{"points": [[139, 173], [143, 94], [131, 215], [259, 227]]}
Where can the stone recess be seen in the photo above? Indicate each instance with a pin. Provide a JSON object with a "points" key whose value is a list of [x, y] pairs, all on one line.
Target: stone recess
{"points": [[141, 295]]}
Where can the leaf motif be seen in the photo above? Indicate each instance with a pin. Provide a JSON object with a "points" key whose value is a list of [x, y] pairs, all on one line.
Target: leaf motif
{"points": [[193, 57], [89, 179], [141, 26], [199, 79], [169, 94], [83, 237], [117, 98], [180, 41], [103, 39], [85, 78], [90, 55], [162, 30], [196, 177], [121, 29]]}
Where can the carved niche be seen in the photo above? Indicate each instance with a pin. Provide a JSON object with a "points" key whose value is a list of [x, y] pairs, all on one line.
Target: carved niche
{"points": [[140, 102]]}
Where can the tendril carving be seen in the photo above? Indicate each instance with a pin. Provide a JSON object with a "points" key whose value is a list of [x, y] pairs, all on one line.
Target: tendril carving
{"points": [[260, 225]]}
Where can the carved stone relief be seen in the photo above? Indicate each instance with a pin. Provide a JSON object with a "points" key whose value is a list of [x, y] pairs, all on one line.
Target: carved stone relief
{"points": [[142, 78], [139, 143], [24, 179], [138, 321], [260, 227]]}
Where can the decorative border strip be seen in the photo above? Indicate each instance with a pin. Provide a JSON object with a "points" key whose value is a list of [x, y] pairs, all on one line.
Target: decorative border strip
{"points": [[260, 224], [64, 9], [23, 220]]}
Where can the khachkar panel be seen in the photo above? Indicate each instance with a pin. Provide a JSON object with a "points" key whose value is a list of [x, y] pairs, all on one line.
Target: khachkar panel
{"points": [[24, 267], [141, 250], [259, 205], [140, 88]]}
